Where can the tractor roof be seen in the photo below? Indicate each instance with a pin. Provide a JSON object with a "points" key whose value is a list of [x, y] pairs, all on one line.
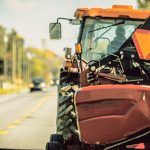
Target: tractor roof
{"points": [[117, 11]]}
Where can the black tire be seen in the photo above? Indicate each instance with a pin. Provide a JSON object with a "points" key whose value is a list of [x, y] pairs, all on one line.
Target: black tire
{"points": [[57, 138], [54, 146], [66, 116]]}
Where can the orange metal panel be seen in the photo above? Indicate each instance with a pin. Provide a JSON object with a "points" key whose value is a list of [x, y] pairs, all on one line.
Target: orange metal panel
{"points": [[116, 11], [141, 39]]}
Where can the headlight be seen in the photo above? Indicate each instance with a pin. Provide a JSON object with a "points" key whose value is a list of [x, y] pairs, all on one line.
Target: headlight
{"points": [[31, 85], [43, 85], [57, 82], [51, 82]]}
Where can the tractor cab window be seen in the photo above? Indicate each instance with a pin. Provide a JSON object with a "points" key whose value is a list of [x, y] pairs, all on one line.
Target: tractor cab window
{"points": [[104, 36]]}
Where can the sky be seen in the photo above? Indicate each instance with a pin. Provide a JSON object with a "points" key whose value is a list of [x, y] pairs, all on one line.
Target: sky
{"points": [[31, 18]]}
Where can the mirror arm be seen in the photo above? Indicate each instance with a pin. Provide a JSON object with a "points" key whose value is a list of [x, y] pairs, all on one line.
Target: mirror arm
{"points": [[63, 19]]}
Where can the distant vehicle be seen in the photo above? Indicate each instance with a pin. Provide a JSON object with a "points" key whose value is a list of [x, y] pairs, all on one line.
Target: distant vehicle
{"points": [[54, 82], [37, 84]]}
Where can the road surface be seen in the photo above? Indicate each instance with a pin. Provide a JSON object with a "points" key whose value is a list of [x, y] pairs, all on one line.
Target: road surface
{"points": [[27, 119]]}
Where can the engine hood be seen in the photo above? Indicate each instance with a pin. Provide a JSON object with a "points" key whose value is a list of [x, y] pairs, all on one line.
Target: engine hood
{"points": [[108, 113]]}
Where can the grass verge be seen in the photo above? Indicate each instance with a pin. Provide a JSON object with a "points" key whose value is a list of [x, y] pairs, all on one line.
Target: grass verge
{"points": [[11, 90]]}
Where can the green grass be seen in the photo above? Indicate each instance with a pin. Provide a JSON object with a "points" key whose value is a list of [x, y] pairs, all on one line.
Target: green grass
{"points": [[10, 91]]}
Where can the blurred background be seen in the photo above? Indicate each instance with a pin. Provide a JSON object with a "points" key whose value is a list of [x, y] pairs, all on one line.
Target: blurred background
{"points": [[26, 53]]}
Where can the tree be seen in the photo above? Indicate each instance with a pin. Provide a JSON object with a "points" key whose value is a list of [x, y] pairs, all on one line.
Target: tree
{"points": [[43, 63], [144, 4], [2, 47], [37, 67]]}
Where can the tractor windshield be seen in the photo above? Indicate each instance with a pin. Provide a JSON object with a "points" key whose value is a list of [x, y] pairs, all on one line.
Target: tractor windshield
{"points": [[105, 36]]}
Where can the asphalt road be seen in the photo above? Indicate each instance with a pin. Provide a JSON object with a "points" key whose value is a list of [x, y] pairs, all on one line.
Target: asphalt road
{"points": [[27, 119]]}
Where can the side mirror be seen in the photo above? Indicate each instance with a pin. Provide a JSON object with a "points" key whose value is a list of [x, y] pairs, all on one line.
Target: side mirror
{"points": [[55, 31]]}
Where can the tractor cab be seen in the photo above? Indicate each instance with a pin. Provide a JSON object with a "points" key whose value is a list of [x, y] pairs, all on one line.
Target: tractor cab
{"points": [[104, 36], [102, 31]]}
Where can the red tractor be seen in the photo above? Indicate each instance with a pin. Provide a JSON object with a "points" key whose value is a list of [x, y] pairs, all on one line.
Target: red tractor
{"points": [[104, 90]]}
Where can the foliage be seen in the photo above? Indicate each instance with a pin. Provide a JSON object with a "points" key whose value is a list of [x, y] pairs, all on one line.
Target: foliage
{"points": [[144, 4], [43, 63], [2, 33], [10, 90]]}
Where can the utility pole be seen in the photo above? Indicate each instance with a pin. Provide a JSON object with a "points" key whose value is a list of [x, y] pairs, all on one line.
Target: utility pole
{"points": [[13, 56], [5, 56], [19, 53], [2, 48]]}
